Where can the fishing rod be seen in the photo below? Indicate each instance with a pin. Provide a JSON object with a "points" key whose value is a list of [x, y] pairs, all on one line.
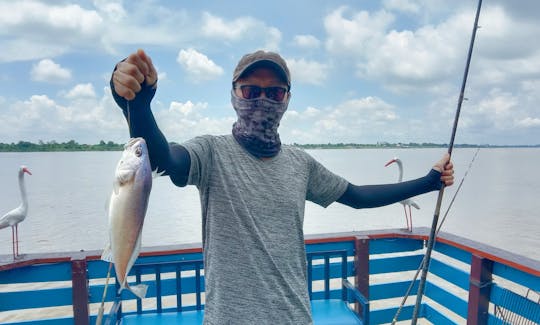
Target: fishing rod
{"points": [[411, 285], [431, 241]]}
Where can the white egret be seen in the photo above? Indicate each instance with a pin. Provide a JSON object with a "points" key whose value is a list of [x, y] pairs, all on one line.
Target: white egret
{"points": [[408, 202], [17, 215]]}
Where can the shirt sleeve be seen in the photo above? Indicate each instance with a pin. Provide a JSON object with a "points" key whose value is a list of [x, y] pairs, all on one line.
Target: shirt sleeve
{"points": [[200, 153], [324, 187]]}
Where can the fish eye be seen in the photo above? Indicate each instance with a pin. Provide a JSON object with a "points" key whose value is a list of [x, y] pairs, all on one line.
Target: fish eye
{"points": [[138, 151]]}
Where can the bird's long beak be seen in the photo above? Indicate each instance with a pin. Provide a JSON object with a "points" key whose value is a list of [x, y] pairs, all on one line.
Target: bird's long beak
{"points": [[390, 162], [25, 170]]}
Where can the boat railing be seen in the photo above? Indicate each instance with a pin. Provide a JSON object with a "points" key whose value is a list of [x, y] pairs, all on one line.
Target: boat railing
{"points": [[328, 271], [467, 281], [164, 279]]}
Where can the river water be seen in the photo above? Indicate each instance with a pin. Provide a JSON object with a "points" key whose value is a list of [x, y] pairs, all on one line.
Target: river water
{"points": [[498, 204]]}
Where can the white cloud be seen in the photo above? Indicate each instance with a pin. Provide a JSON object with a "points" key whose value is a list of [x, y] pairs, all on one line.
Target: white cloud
{"points": [[162, 75], [198, 66], [369, 118], [357, 35], [506, 37], [424, 55], [42, 118], [187, 108], [367, 108], [309, 72], [312, 111], [48, 71], [307, 41], [112, 9], [182, 121], [273, 39], [430, 57], [38, 29], [25, 49], [407, 6], [505, 53], [403, 60], [410, 55], [81, 91], [241, 29], [217, 27], [32, 29], [529, 122], [500, 111], [21, 15]]}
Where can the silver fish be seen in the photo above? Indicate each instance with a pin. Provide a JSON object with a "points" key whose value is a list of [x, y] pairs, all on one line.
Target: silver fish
{"points": [[127, 208]]}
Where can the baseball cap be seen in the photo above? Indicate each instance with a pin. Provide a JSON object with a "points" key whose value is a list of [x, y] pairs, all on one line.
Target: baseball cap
{"points": [[262, 58]]}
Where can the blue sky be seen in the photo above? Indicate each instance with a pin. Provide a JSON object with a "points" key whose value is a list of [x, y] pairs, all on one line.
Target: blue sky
{"points": [[362, 71]]}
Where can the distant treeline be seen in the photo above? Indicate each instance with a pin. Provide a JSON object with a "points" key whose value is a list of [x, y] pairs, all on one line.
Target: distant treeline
{"points": [[380, 145], [72, 145]]}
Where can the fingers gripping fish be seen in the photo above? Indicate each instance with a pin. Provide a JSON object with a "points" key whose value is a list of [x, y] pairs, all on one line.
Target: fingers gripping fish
{"points": [[127, 208]]}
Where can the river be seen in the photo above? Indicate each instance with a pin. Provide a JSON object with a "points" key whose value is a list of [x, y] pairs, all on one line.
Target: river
{"points": [[497, 205]]}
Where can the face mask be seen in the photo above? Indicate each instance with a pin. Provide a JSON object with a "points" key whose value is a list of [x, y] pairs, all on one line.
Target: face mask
{"points": [[257, 124]]}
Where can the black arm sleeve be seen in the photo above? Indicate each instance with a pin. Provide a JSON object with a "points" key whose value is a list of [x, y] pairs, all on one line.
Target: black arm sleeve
{"points": [[172, 159], [371, 196]]}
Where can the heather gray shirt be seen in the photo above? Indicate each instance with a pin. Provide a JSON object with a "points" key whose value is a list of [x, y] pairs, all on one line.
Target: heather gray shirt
{"points": [[253, 213]]}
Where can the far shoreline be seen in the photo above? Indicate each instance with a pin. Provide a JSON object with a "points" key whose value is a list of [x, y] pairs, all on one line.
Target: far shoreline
{"points": [[73, 146]]}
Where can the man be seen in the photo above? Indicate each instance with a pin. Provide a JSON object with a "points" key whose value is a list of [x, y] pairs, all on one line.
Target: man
{"points": [[253, 190]]}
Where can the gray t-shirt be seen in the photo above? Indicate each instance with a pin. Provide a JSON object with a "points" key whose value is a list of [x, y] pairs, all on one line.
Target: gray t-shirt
{"points": [[253, 214]]}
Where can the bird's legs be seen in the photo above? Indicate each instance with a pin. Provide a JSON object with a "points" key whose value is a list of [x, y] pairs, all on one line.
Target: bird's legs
{"points": [[410, 219], [406, 216], [13, 240], [17, 240]]}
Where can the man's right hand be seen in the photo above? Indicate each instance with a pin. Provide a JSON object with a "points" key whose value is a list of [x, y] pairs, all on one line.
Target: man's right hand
{"points": [[132, 72]]}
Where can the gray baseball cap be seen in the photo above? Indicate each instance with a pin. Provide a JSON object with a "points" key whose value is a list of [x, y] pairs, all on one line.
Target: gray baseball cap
{"points": [[262, 58]]}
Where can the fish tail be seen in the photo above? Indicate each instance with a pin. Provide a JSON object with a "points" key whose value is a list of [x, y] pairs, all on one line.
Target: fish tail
{"points": [[139, 290]]}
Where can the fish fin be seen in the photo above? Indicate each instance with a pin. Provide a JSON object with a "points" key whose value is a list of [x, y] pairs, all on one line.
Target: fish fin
{"points": [[156, 174], [139, 290], [107, 254], [123, 176]]}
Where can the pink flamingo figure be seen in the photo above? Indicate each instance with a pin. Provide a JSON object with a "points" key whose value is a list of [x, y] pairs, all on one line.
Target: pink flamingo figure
{"points": [[408, 202], [15, 216]]}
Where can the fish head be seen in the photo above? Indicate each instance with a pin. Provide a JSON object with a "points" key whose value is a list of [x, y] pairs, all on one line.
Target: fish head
{"points": [[136, 147], [134, 159]]}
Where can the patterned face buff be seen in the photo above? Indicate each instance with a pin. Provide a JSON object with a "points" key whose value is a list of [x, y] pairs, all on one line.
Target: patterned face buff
{"points": [[257, 124]]}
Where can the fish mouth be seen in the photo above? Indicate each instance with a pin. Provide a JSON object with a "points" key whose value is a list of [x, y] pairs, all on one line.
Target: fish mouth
{"points": [[134, 141]]}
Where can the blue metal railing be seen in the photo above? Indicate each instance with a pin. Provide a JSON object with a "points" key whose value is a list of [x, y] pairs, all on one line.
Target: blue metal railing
{"points": [[159, 287], [485, 275]]}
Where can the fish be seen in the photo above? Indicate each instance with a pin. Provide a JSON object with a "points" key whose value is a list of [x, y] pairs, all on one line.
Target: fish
{"points": [[128, 204]]}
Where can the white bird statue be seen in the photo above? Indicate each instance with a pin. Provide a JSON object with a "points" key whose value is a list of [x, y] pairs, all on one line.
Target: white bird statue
{"points": [[15, 216], [408, 202]]}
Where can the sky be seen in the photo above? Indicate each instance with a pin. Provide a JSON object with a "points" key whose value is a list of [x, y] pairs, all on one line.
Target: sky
{"points": [[362, 71]]}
